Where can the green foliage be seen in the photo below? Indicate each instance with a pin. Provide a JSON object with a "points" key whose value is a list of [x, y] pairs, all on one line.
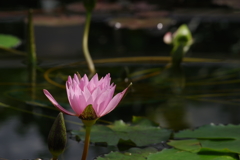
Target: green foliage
{"points": [[174, 154], [212, 132], [165, 154], [191, 145], [9, 41], [142, 133], [209, 138], [210, 142], [133, 153]]}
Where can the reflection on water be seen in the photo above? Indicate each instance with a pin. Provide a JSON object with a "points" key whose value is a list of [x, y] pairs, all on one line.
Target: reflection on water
{"points": [[190, 95], [13, 138]]}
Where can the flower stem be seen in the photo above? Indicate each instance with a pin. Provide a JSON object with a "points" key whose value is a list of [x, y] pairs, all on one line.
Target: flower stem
{"points": [[86, 143], [85, 43], [32, 58]]}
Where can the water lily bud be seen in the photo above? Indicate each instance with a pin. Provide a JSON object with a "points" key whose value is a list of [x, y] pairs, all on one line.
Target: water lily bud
{"points": [[89, 4], [182, 36], [57, 137]]}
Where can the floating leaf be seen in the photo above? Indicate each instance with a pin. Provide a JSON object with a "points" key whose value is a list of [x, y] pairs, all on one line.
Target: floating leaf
{"points": [[99, 133], [174, 154], [212, 132], [9, 41], [211, 138], [133, 153], [221, 146], [191, 145], [143, 121], [139, 134]]}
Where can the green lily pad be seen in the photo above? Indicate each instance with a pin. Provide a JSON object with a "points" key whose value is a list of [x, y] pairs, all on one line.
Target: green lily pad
{"points": [[174, 154], [210, 138], [139, 134], [143, 121], [9, 41], [212, 132], [191, 145], [133, 153], [221, 146]]}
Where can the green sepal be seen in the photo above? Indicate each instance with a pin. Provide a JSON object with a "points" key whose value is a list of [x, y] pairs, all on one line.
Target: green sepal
{"points": [[88, 113], [57, 137]]}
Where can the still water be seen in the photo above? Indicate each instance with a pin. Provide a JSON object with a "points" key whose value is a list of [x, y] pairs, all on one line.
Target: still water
{"points": [[188, 96]]}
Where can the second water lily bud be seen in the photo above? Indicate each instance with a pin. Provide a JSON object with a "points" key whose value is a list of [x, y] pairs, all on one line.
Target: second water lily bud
{"points": [[182, 36], [57, 137]]}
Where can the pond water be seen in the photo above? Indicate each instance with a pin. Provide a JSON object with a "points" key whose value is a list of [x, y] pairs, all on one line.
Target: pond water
{"points": [[198, 92], [194, 94]]}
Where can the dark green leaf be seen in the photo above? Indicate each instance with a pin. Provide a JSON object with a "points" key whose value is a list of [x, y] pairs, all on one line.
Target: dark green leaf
{"points": [[139, 134], [191, 145], [212, 132], [131, 154], [9, 41], [174, 154], [211, 138], [221, 146]]}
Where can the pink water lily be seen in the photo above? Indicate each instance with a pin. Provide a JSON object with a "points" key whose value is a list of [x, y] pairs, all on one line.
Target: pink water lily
{"points": [[81, 93]]}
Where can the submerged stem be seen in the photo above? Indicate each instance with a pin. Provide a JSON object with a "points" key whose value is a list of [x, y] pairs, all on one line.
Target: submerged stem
{"points": [[85, 43], [86, 143]]}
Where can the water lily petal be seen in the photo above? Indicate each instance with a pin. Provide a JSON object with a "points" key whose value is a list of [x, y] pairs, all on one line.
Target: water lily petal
{"points": [[55, 103], [75, 104], [90, 101], [104, 99], [86, 93], [96, 93], [101, 102], [83, 82], [113, 103], [76, 78], [93, 83], [82, 102], [69, 82], [105, 82]]}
